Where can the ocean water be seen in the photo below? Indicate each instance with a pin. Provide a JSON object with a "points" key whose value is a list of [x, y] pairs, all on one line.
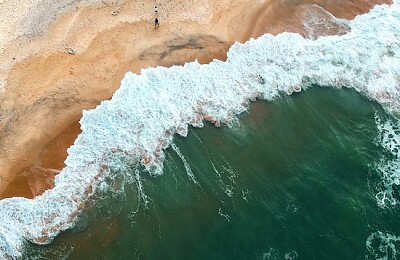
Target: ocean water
{"points": [[295, 178], [149, 165]]}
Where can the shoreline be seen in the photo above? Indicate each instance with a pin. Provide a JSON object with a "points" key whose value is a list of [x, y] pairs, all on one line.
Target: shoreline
{"points": [[132, 131], [39, 111], [36, 113]]}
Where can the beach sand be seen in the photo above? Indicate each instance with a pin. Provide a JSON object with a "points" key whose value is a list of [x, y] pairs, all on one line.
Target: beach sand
{"points": [[43, 88]]}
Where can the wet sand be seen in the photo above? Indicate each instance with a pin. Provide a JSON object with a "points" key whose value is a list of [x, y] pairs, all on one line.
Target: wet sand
{"points": [[45, 89]]}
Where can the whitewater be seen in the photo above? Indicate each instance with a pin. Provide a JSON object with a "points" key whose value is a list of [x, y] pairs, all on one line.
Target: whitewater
{"points": [[135, 127]]}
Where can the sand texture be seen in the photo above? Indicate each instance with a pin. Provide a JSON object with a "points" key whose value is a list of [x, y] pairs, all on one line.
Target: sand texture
{"points": [[43, 88]]}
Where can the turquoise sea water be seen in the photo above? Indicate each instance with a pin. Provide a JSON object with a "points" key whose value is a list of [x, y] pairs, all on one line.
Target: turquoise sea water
{"points": [[292, 179]]}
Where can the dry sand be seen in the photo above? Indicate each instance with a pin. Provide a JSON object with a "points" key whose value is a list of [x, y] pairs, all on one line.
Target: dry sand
{"points": [[43, 89]]}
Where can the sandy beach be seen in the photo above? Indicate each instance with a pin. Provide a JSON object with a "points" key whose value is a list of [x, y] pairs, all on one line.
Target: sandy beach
{"points": [[43, 88]]}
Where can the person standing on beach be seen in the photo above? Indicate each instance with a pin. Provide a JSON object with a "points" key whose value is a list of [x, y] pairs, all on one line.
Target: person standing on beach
{"points": [[156, 21]]}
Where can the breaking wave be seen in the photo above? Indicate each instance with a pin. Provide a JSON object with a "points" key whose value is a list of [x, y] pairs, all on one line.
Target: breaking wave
{"points": [[139, 122]]}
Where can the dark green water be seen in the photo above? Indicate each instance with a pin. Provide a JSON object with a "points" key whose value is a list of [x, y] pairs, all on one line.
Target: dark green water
{"points": [[294, 179]]}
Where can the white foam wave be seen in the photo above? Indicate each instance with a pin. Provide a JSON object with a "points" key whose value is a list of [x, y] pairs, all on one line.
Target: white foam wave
{"points": [[144, 114]]}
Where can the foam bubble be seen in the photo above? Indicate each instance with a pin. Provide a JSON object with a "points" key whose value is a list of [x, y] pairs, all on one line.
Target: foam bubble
{"points": [[139, 122], [382, 245], [291, 255]]}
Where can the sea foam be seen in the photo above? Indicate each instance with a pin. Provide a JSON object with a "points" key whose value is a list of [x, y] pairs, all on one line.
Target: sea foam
{"points": [[382, 245], [139, 122], [388, 166]]}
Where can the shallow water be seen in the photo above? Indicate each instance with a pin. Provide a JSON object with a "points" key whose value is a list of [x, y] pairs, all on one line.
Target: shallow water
{"points": [[295, 178]]}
